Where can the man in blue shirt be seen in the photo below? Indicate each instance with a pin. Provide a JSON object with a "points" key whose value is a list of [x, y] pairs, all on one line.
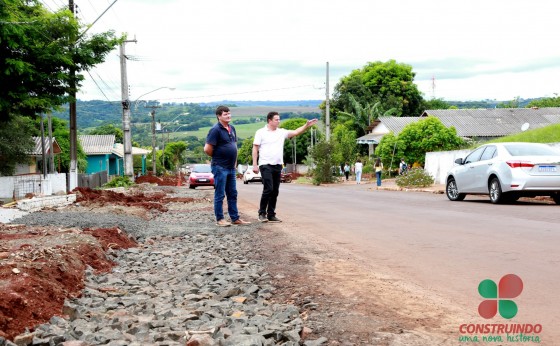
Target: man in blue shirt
{"points": [[221, 145]]}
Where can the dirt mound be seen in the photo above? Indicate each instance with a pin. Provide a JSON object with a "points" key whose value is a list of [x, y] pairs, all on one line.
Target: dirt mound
{"points": [[42, 266], [166, 180], [151, 201]]}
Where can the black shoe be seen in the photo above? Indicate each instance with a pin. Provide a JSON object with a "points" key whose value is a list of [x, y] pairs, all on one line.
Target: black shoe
{"points": [[262, 218], [273, 219]]}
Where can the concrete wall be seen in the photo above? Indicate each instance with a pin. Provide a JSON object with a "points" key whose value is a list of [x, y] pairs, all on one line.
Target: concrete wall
{"points": [[39, 203], [51, 185], [6, 187], [440, 162]]}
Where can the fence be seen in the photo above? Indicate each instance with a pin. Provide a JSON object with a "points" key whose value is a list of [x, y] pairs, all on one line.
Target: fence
{"points": [[93, 180]]}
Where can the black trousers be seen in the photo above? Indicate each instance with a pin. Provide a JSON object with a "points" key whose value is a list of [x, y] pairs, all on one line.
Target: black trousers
{"points": [[271, 185]]}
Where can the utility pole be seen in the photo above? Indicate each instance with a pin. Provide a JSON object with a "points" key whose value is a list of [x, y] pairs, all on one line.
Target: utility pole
{"points": [[127, 135], [73, 178], [43, 149], [51, 155], [327, 108], [153, 113]]}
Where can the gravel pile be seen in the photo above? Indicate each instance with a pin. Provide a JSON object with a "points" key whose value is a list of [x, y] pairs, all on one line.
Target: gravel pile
{"points": [[190, 282]]}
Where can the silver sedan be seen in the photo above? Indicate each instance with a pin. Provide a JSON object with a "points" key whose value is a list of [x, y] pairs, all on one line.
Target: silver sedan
{"points": [[505, 172]]}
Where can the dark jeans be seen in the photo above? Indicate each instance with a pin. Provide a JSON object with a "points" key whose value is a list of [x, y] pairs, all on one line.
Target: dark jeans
{"points": [[378, 174], [225, 185], [271, 184], [346, 174]]}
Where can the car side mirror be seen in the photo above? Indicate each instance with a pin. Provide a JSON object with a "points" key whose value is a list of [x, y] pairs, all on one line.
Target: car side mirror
{"points": [[459, 161]]}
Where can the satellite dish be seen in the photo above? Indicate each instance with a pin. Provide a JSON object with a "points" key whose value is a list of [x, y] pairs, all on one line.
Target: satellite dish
{"points": [[525, 126]]}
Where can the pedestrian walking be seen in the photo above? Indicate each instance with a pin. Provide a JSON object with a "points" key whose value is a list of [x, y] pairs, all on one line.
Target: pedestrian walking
{"points": [[403, 167], [221, 145], [378, 170], [346, 170], [358, 171], [268, 152]]}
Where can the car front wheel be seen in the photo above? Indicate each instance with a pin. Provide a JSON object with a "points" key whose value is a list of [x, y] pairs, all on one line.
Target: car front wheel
{"points": [[453, 192], [556, 197]]}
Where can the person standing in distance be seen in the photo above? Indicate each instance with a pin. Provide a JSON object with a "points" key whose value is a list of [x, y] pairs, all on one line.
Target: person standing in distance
{"points": [[358, 170], [221, 145], [268, 148]]}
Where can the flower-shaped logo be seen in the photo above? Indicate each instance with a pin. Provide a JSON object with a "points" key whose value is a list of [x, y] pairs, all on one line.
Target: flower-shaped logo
{"points": [[499, 297]]}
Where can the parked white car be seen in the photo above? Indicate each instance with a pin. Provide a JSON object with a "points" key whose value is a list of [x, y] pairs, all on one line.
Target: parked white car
{"points": [[249, 176], [505, 172]]}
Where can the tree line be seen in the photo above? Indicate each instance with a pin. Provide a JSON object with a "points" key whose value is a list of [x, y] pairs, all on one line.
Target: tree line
{"points": [[46, 53]]}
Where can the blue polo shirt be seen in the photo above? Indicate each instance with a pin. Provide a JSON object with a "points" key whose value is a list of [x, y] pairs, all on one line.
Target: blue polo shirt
{"points": [[225, 145]]}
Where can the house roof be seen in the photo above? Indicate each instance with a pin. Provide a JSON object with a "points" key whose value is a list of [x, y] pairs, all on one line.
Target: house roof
{"points": [[118, 150], [370, 138], [397, 124], [97, 144], [38, 148], [495, 122]]}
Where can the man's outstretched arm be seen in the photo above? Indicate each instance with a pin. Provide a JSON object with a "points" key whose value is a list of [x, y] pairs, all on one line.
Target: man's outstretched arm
{"points": [[302, 128]]}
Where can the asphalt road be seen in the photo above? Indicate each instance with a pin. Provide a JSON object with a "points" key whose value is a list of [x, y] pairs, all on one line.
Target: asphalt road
{"points": [[444, 248]]}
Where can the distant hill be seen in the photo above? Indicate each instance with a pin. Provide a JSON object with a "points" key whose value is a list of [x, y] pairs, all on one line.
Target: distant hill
{"points": [[297, 103]]}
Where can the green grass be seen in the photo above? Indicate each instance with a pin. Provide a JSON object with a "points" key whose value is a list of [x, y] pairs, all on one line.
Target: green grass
{"points": [[243, 131], [548, 134]]}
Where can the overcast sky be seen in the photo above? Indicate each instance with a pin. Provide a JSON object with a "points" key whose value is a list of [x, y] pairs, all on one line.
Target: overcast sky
{"points": [[212, 50]]}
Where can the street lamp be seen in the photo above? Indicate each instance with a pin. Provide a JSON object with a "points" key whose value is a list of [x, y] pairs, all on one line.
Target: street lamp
{"points": [[149, 92], [153, 113]]}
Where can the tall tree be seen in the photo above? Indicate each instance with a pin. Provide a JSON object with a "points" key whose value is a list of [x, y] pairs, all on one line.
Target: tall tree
{"points": [[38, 50], [390, 83], [361, 116]]}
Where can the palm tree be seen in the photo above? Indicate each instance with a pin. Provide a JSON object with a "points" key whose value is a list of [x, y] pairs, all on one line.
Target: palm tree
{"points": [[362, 116]]}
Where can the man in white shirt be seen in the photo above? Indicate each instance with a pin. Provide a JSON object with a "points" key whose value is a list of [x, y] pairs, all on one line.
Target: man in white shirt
{"points": [[268, 148]]}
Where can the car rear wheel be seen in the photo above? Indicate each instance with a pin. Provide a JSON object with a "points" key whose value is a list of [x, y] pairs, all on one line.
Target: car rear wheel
{"points": [[495, 191], [556, 197], [452, 191]]}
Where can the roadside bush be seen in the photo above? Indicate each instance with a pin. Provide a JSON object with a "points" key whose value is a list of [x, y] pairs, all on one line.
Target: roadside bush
{"points": [[415, 177], [322, 172], [120, 182]]}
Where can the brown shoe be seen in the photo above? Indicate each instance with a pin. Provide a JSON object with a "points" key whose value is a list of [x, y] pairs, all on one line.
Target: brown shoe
{"points": [[240, 222], [223, 223]]}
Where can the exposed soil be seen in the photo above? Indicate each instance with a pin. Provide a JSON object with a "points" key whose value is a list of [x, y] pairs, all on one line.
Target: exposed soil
{"points": [[166, 180], [42, 266]]}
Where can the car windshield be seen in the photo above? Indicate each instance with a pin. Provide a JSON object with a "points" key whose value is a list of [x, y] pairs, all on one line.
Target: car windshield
{"points": [[202, 169], [530, 150]]}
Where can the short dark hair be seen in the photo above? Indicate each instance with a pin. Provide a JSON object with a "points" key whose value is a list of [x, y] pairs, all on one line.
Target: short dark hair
{"points": [[271, 115], [220, 110]]}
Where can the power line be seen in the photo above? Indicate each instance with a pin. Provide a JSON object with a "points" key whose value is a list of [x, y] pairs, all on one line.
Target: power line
{"points": [[98, 87], [239, 93]]}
